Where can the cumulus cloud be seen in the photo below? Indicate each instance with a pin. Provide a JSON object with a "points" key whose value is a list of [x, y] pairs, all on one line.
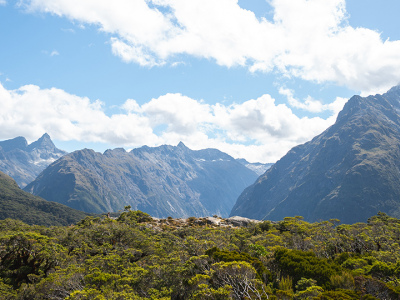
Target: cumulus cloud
{"points": [[30, 111], [258, 129], [3, 2], [312, 105], [309, 39]]}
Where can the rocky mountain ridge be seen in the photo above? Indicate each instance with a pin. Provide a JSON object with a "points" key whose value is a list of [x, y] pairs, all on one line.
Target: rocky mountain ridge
{"points": [[23, 161], [350, 172], [162, 181]]}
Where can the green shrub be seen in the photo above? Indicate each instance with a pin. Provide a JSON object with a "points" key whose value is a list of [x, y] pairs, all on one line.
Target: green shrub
{"points": [[230, 256], [298, 264]]}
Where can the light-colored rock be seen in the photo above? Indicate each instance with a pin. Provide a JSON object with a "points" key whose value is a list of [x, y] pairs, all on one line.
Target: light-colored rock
{"points": [[240, 221], [213, 221]]}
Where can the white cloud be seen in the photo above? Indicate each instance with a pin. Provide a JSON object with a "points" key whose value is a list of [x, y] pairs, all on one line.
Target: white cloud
{"points": [[30, 111], [3, 2], [310, 39], [258, 129], [312, 105], [182, 114], [177, 63], [52, 53], [136, 54]]}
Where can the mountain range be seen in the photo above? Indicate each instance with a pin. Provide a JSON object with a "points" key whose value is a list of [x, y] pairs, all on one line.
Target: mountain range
{"points": [[349, 172], [162, 181], [23, 161]]}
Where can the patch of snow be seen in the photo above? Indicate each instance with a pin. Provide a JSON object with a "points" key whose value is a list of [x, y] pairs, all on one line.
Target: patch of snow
{"points": [[41, 161], [259, 169]]}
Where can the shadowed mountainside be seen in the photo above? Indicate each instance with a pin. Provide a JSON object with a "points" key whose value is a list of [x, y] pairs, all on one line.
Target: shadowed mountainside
{"points": [[349, 172], [17, 204]]}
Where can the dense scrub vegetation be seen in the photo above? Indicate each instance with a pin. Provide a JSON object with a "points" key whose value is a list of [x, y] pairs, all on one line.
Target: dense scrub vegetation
{"points": [[133, 257]]}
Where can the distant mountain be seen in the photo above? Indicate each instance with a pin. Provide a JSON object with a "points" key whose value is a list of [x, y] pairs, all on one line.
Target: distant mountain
{"points": [[258, 168], [162, 181], [17, 204], [24, 162], [350, 172]]}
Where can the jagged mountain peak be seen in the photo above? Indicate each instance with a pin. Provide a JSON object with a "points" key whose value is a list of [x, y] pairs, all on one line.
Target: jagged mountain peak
{"points": [[174, 151], [386, 104], [24, 162], [45, 136], [164, 181], [182, 145], [15, 143], [116, 151], [44, 142], [395, 89], [349, 172]]}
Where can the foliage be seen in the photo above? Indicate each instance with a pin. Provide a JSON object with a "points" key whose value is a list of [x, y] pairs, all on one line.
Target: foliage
{"points": [[298, 264], [135, 257], [17, 204], [234, 256]]}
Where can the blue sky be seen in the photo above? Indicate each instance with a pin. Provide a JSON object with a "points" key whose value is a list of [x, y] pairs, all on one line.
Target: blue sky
{"points": [[252, 78]]}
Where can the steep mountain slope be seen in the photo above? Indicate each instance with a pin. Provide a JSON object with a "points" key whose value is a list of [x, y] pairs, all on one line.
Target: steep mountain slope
{"points": [[350, 172], [163, 181], [17, 204], [24, 162]]}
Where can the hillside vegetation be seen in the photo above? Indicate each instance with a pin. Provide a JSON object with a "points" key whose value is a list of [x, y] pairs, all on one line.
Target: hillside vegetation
{"points": [[138, 257], [17, 204]]}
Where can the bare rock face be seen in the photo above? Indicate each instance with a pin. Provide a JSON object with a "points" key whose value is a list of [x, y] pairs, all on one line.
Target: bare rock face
{"points": [[240, 221], [349, 172], [214, 222], [161, 181], [24, 162]]}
